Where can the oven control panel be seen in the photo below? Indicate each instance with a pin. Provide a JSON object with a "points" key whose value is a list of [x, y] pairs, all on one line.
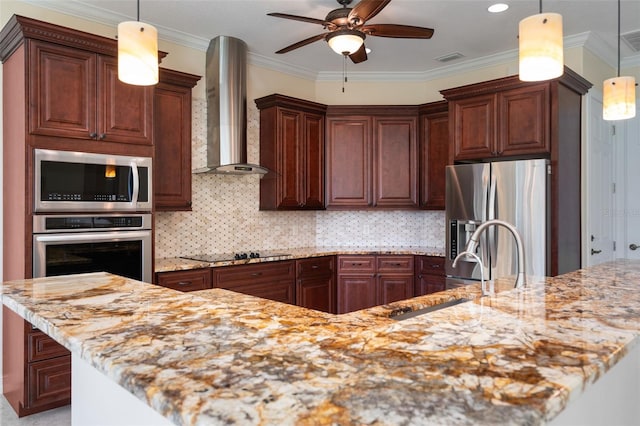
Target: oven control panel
{"points": [[55, 223]]}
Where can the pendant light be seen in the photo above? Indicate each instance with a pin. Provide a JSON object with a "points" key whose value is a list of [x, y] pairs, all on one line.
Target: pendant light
{"points": [[137, 52], [619, 93], [540, 47]]}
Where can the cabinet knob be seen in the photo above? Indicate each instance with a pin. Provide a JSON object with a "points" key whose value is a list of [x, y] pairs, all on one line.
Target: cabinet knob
{"points": [[93, 135], [103, 136], [633, 246]]}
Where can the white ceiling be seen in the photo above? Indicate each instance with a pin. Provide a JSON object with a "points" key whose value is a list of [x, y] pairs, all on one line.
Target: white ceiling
{"points": [[461, 26]]}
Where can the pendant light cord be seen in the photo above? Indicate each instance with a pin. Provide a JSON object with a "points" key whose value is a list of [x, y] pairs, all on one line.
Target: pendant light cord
{"points": [[539, 6], [344, 71], [139, 10], [618, 38]]}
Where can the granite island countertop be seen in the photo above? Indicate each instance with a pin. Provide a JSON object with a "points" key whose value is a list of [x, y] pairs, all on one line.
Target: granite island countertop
{"points": [[169, 264], [215, 356]]}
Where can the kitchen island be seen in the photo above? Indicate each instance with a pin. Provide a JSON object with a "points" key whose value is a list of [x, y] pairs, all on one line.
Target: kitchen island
{"points": [[214, 356]]}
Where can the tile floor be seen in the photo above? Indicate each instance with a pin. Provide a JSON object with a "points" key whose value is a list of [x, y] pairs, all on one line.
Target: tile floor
{"points": [[57, 417]]}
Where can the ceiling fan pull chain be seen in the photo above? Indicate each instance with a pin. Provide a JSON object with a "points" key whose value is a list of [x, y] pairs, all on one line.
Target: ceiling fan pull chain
{"points": [[344, 71]]}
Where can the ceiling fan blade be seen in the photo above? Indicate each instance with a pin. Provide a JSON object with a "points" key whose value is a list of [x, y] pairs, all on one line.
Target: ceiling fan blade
{"points": [[302, 43], [326, 24], [366, 10], [359, 55], [397, 31]]}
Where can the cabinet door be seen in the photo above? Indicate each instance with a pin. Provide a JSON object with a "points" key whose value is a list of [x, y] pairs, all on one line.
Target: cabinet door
{"points": [[524, 121], [172, 145], [125, 112], [49, 382], [62, 91], [395, 162], [191, 280], [474, 127], [434, 157], [290, 149], [356, 292], [313, 172], [316, 293], [430, 276], [349, 162], [392, 288]]}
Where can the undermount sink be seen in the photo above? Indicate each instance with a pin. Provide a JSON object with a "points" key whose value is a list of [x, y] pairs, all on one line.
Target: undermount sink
{"points": [[418, 312]]}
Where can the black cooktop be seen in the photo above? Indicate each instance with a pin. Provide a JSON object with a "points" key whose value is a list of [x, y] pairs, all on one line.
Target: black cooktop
{"points": [[226, 257]]}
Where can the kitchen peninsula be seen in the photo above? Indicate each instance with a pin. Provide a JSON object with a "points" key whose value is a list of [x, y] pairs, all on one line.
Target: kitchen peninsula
{"points": [[215, 356]]}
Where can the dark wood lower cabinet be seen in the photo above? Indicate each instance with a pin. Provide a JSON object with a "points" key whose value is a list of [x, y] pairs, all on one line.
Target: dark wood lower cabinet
{"points": [[367, 281], [50, 381], [315, 283], [269, 280], [430, 277], [187, 280]]}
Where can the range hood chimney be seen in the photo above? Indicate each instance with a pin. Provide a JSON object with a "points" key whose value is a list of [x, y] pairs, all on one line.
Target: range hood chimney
{"points": [[227, 108]]}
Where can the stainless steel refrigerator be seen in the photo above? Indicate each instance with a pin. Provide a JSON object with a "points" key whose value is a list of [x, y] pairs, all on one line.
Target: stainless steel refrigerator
{"points": [[514, 191]]}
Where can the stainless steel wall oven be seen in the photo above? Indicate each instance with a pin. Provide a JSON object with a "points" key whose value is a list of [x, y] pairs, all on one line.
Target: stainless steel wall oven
{"points": [[73, 244]]}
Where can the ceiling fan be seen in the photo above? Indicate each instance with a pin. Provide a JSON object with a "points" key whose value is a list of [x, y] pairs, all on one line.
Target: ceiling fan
{"points": [[348, 28]]}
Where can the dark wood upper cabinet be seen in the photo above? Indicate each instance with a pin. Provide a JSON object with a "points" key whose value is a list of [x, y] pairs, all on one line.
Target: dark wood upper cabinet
{"points": [[172, 140], [433, 149], [372, 157], [509, 119], [292, 148], [349, 152], [76, 94]]}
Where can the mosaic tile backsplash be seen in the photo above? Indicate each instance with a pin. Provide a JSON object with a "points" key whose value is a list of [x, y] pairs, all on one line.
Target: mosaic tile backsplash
{"points": [[225, 216]]}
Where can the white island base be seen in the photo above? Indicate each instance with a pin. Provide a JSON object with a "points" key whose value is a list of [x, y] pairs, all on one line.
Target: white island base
{"points": [[614, 399]]}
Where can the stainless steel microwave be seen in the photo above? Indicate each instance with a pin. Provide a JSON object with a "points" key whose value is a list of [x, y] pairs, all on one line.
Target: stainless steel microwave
{"points": [[67, 181]]}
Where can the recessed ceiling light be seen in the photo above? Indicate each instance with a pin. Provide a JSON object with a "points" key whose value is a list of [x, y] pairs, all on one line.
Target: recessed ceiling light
{"points": [[498, 7]]}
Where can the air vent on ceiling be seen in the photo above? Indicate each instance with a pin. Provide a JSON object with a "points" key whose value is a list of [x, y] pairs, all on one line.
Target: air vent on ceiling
{"points": [[450, 57], [633, 40]]}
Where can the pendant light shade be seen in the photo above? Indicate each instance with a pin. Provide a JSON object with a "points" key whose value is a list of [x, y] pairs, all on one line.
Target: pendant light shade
{"points": [[619, 93], [346, 41], [137, 53], [540, 47], [619, 98]]}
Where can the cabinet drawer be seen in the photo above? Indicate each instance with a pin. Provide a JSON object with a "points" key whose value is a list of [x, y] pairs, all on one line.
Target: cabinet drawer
{"points": [[395, 264], [356, 264], [231, 276], [49, 381], [314, 266], [191, 280], [41, 346], [431, 265]]}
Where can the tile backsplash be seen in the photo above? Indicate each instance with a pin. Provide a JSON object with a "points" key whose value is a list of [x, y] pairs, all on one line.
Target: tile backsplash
{"points": [[225, 216]]}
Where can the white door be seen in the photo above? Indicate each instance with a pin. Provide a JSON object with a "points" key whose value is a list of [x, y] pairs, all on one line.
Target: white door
{"points": [[599, 180], [629, 234]]}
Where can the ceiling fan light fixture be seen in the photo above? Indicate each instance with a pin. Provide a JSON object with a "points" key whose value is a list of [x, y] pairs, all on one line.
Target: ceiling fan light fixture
{"points": [[345, 41], [541, 55], [137, 52]]}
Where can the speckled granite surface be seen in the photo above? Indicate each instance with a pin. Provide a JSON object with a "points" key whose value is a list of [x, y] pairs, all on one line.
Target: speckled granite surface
{"points": [[216, 357], [179, 263]]}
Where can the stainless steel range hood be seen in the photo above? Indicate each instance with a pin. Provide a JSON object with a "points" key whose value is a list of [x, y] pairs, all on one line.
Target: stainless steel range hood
{"points": [[227, 108]]}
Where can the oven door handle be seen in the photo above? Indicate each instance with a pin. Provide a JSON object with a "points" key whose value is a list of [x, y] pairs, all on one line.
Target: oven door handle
{"points": [[136, 184]]}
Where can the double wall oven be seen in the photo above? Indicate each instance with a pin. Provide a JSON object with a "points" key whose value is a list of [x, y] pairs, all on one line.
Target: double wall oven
{"points": [[92, 212]]}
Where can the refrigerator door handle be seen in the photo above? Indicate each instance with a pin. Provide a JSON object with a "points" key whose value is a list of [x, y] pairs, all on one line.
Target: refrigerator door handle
{"points": [[492, 233]]}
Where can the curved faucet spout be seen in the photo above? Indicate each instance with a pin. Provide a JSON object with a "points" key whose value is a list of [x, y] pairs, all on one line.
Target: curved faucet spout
{"points": [[472, 244]]}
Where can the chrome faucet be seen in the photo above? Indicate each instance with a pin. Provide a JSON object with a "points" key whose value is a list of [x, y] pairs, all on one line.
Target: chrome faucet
{"points": [[472, 244]]}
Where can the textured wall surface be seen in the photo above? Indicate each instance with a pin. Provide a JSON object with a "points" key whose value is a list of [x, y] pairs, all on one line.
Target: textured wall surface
{"points": [[225, 216]]}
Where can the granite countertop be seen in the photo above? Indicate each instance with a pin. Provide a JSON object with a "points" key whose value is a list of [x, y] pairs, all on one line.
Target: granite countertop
{"points": [[179, 264], [216, 356]]}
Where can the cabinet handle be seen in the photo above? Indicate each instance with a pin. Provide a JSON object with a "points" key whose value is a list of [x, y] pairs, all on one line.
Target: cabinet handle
{"points": [[435, 266], [633, 246], [256, 274], [103, 136], [314, 266], [356, 264], [93, 135], [595, 252], [397, 264], [184, 283]]}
